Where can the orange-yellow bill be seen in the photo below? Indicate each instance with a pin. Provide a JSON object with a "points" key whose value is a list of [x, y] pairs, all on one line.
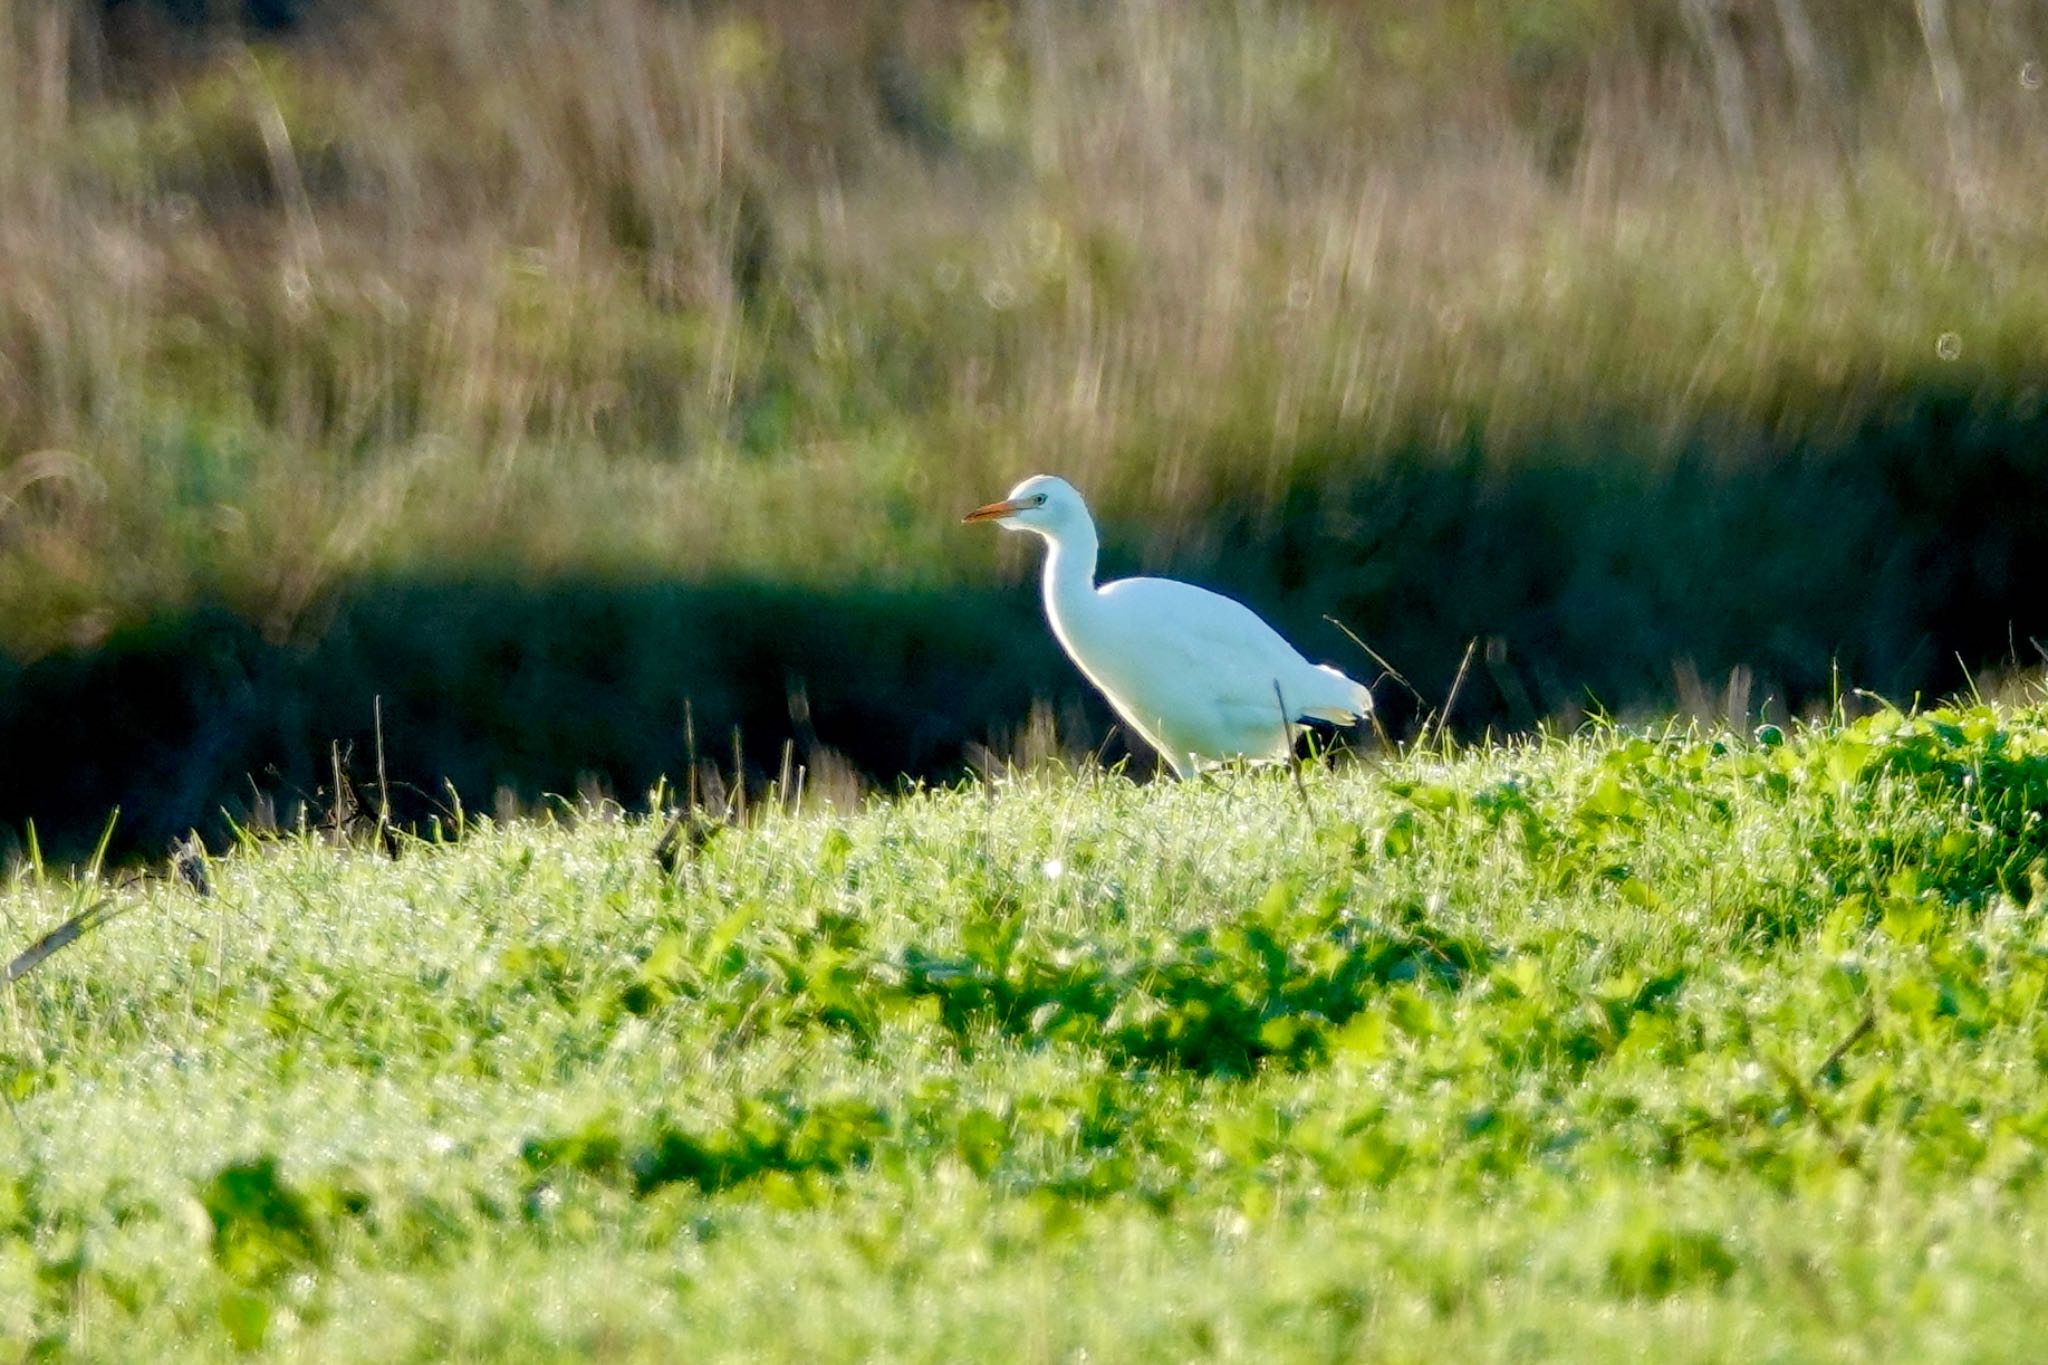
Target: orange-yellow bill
{"points": [[993, 511]]}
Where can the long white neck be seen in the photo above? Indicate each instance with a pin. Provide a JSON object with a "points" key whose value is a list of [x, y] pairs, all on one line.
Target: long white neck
{"points": [[1070, 573]]}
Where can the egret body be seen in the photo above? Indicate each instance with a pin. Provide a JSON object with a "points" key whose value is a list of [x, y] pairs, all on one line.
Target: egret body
{"points": [[1200, 676]]}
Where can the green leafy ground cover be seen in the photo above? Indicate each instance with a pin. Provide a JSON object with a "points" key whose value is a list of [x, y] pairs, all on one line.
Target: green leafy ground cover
{"points": [[1618, 1046]]}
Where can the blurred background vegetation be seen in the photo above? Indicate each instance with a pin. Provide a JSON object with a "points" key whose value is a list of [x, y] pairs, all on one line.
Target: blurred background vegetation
{"points": [[587, 380]]}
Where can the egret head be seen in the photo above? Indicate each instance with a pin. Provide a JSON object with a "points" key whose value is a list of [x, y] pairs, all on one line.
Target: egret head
{"points": [[1043, 503]]}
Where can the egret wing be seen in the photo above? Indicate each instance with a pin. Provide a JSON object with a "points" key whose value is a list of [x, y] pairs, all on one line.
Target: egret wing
{"points": [[1190, 633]]}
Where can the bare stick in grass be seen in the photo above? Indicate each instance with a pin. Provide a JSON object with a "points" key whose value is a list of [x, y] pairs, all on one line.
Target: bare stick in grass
{"points": [[99, 912], [1799, 1090], [1443, 719], [343, 812], [383, 780], [1293, 764], [1108, 737], [739, 774], [1387, 670], [1841, 1049], [65, 934], [690, 793]]}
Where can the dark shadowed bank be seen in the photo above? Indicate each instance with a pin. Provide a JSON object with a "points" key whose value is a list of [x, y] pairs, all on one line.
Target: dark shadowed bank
{"points": [[488, 688], [1903, 558]]}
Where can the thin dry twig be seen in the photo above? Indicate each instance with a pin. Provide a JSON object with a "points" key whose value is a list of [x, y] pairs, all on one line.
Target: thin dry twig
{"points": [[1801, 1090], [383, 780], [1801, 1093], [1293, 765], [1443, 719], [63, 936], [1841, 1049], [1387, 669]]}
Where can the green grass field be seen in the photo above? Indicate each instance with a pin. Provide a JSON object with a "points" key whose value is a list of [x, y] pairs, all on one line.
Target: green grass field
{"points": [[551, 386], [1611, 1047]]}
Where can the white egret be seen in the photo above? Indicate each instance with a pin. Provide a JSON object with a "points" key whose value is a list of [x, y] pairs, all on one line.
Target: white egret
{"points": [[1198, 675]]}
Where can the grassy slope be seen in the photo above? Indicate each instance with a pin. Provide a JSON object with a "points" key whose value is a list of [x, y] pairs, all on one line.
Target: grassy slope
{"points": [[1539, 1051]]}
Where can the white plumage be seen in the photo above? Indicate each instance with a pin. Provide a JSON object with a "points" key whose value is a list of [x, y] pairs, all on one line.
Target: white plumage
{"points": [[1200, 676]]}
